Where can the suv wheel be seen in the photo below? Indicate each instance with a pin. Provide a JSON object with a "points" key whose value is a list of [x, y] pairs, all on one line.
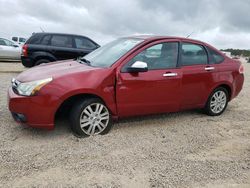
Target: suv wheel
{"points": [[28, 65], [217, 102], [90, 117], [40, 61]]}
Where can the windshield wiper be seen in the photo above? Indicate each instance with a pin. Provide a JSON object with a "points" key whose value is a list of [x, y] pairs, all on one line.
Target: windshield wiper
{"points": [[83, 60]]}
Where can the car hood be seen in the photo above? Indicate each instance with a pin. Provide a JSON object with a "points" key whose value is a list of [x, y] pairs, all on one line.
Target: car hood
{"points": [[54, 70]]}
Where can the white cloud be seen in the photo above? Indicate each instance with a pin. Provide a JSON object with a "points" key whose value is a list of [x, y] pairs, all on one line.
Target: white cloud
{"points": [[221, 23]]}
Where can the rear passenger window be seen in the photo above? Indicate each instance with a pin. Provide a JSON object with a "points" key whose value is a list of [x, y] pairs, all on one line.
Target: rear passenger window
{"points": [[61, 41], [84, 43], [215, 56], [193, 54]]}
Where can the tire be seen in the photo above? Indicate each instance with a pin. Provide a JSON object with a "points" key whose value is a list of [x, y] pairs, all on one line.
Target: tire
{"points": [[217, 107], [93, 123], [28, 65], [40, 61]]}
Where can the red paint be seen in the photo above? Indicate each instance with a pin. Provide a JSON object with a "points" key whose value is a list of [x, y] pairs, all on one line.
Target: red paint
{"points": [[125, 94]]}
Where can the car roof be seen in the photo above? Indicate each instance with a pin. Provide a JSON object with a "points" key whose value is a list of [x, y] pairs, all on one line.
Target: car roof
{"points": [[156, 37], [68, 34], [49, 33], [7, 39], [4, 38]]}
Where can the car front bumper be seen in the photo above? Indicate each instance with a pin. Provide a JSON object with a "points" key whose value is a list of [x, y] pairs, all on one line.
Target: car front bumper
{"points": [[33, 111]]}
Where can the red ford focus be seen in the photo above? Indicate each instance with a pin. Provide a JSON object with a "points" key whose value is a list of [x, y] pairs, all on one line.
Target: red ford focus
{"points": [[127, 77]]}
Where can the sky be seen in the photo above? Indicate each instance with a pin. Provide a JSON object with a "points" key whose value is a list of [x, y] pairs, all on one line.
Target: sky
{"points": [[221, 23]]}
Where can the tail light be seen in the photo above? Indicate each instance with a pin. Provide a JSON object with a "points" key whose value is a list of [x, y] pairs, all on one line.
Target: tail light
{"points": [[241, 69], [25, 50]]}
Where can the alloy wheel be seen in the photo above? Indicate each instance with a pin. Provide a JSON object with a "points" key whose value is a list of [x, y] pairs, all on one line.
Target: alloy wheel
{"points": [[218, 101], [94, 119]]}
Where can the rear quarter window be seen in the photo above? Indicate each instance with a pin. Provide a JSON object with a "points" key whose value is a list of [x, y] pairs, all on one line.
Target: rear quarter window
{"points": [[34, 39], [216, 58]]}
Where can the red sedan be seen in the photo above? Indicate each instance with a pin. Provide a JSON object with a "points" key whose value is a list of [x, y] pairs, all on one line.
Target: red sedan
{"points": [[128, 77]]}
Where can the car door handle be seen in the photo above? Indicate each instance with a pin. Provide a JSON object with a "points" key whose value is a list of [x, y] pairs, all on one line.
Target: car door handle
{"points": [[171, 74], [209, 68]]}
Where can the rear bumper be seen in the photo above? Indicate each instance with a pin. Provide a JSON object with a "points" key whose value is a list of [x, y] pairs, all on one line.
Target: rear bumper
{"points": [[31, 111], [237, 85]]}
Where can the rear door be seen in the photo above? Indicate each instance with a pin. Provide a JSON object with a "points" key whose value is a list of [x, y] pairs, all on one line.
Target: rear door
{"points": [[197, 75], [154, 91]]}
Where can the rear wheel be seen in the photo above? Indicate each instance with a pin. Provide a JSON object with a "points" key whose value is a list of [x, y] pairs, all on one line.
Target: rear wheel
{"points": [[217, 102], [40, 61], [90, 117], [28, 65]]}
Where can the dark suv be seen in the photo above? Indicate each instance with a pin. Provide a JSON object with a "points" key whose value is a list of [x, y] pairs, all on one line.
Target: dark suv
{"points": [[47, 47]]}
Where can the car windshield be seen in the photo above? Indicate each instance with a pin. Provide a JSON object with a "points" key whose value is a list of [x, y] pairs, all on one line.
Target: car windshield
{"points": [[108, 54]]}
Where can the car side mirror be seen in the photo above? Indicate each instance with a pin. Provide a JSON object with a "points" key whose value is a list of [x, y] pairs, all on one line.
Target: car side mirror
{"points": [[138, 66]]}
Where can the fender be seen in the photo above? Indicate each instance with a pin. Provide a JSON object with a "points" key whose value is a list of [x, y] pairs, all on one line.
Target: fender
{"points": [[219, 84], [107, 97]]}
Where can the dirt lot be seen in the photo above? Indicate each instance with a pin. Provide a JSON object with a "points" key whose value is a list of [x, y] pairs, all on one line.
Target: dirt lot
{"points": [[186, 149]]}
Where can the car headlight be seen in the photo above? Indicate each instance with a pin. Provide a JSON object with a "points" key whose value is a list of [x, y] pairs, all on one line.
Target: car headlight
{"points": [[31, 88]]}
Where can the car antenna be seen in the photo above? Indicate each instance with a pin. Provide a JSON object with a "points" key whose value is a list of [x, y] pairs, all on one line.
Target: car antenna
{"points": [[190, 34], [41, 29]]}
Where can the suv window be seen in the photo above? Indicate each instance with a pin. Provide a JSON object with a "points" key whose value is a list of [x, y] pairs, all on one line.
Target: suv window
{"points": [[15, 39], [215, 56], [34, 39], [22, 39], [61, 41], [84, 43], [45, 40], [193, 54], [159, 56]]}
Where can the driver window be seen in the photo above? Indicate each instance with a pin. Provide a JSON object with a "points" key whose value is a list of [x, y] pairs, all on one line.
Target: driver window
{"points": [[159, 56]]}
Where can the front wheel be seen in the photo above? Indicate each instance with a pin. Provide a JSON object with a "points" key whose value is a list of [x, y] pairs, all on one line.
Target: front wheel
{"points": [[90, 117], [217, 102]]}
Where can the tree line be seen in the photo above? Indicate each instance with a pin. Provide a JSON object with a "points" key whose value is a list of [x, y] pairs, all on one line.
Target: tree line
{"points": [[238, 52]]}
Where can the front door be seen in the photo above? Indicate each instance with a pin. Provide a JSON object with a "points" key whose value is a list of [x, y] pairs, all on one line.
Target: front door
{"points": [[154, 91]]}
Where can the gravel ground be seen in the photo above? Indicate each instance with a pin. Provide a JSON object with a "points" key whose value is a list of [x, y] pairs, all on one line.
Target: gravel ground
{"points": [[186, 149], [11, 67]]}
